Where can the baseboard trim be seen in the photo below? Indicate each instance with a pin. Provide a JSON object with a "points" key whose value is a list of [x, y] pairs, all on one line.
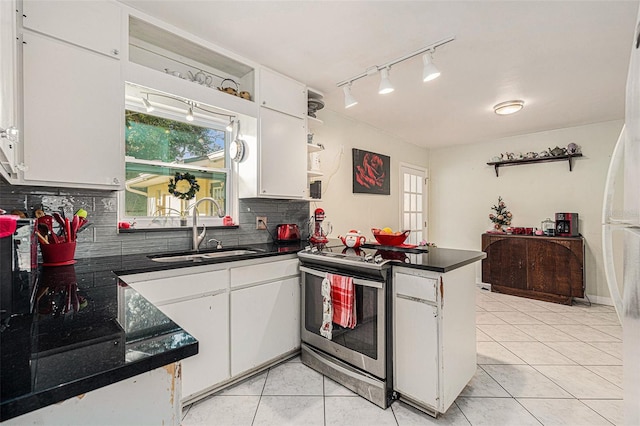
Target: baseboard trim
{"points": [[600, 300]]}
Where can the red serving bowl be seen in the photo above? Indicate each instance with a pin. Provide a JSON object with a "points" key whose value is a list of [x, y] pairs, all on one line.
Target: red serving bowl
{"points": [[390, 239]]}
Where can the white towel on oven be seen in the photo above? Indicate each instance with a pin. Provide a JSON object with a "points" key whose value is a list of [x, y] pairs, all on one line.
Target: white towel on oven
{"points": [[327, 309]]}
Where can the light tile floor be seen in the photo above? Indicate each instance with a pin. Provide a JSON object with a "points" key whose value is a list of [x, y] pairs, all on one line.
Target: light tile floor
{"points": [[538, 363]]}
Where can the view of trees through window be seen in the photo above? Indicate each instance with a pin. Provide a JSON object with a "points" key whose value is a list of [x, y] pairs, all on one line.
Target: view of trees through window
{"points": [[157, 148]]}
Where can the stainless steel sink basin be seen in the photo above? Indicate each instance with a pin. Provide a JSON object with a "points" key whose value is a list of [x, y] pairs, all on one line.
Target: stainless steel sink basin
{"points": [[199, 257]]}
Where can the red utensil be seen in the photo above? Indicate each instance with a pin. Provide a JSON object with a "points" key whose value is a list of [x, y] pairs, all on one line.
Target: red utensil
{"points": [[67, 229], [75, 223]]}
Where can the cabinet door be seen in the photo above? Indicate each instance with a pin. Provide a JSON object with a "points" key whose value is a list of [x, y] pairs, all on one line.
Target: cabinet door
{"points": [[265, 323], [506, 263], [92, 24], [416, 363], [282, 93], [283, 155], [554, 268], [207, 319], [8, 116], [73, 115]]}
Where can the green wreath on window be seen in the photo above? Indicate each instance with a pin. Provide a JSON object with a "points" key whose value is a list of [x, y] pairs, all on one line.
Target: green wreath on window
{"points": [[184, 186]]}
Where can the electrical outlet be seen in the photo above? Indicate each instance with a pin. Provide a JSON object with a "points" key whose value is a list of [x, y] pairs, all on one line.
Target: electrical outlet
{"points": [[261, 222]]}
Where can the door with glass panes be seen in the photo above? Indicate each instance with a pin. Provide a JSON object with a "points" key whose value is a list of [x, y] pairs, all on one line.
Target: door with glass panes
{"points": [[413, 202]]}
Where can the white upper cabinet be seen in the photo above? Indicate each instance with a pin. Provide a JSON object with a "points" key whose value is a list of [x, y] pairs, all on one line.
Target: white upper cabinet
{"points": [[283, 155], [276, 167], [73, 115], [72, 95], [92, 24], [8, 116], [283, 94]]}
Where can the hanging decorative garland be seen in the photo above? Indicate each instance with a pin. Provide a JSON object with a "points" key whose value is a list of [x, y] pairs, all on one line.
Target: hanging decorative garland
{"points": [[187, 183]]}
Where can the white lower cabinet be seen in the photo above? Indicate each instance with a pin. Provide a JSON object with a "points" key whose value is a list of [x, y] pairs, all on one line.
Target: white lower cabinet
{"points": [[265, 322], [205, 318], [245, 315], [416, 360], [434, 335], [199, 303]]}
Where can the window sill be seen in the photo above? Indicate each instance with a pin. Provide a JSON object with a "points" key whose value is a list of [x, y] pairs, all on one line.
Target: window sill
{"points": [[172, 228]]}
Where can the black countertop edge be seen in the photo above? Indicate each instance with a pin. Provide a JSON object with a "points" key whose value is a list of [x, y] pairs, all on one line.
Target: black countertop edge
{"points": [[35, 401], [472, 257]]}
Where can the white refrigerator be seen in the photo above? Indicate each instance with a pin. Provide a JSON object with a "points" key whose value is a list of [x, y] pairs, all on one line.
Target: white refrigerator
{"points": [[621, 235]]}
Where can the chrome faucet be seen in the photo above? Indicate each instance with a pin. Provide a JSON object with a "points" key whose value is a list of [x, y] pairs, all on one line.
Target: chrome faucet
{"points": [[197, 239]]}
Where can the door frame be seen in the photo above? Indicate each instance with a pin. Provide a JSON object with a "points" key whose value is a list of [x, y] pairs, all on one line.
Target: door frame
{"points": [[425, 196]]}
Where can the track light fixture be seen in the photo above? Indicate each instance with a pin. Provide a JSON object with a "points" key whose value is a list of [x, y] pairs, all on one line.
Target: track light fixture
{"points": [[189, 116], [190, 107], [429, 71], [349, 100], [147, 104], [385, 83]]}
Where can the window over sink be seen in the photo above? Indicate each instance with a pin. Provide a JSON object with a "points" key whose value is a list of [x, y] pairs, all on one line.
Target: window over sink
{"points": [[171, 162]]}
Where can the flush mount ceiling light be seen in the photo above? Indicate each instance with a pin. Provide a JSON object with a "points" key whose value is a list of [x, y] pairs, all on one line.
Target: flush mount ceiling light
{"points": [[385, 83], [349, 100], [508, 107], [429, 71]]}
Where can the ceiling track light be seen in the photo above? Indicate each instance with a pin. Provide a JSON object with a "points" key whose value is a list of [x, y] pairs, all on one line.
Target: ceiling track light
{"points": [[429, 71], [385, 84], [191, 105], [349, 100], [189, 116], [147, 104], [508, 107]]}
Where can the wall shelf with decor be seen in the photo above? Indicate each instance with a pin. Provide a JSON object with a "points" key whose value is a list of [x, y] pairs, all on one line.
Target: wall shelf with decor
{"points": [[569, 158]]}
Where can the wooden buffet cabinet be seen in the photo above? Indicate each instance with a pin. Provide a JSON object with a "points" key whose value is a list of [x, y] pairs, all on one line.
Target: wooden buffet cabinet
{"points": [[543, 268]]}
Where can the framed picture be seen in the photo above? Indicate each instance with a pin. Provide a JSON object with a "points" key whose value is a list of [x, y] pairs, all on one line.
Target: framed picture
{"points": [[371, 173]]}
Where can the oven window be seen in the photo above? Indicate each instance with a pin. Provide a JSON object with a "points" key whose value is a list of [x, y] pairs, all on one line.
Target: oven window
{"points": [[363, 338]]}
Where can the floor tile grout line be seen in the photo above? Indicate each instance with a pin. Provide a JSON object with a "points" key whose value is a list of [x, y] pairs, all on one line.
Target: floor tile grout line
{"points": [[324, 402], [264, 385]]}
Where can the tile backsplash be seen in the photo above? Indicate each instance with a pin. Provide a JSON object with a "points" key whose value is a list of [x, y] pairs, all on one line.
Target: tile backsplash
{"points": [[103, 239]]}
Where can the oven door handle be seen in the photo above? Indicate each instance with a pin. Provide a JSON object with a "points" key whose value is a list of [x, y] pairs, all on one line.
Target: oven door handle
{"points": [[356, 281]]}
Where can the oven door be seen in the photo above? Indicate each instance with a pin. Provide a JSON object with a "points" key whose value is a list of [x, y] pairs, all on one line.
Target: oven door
{"points": [[363, 346]]}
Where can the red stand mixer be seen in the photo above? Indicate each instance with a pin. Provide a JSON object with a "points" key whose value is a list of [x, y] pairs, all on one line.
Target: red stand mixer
{"points": [[317, 231]]}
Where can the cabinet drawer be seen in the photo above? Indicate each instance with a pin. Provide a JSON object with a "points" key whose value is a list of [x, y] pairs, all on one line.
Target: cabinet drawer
{"points": [[263, 272], [418, 287], [181, 287]]}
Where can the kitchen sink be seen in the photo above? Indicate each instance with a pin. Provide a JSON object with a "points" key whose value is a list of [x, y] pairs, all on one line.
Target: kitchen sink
{"points": [[199, 257]]}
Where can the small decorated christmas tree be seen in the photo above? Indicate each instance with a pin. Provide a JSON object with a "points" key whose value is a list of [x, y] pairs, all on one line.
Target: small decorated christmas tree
{"points": [[502, 216]]}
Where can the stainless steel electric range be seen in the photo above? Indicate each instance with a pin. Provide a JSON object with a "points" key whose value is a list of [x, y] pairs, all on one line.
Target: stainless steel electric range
{"points": [[358, 358]]}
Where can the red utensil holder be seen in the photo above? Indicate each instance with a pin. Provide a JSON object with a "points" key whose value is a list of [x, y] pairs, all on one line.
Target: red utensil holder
{"points": [[58, 254]]}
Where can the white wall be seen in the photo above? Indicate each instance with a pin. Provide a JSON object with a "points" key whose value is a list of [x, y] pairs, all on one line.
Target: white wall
{"points": [[344, 209], [463, 189]]}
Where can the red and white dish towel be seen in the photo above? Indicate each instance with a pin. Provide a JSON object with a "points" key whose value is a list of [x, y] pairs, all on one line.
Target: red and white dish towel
{"points": [[338, 303]]}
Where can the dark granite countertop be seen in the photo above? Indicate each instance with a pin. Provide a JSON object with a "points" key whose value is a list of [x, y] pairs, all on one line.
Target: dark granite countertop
{"points": [[438, 259], [88, 329]]}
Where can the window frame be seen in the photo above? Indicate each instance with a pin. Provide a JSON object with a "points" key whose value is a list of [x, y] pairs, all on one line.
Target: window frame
{"points": [[171, 113]]}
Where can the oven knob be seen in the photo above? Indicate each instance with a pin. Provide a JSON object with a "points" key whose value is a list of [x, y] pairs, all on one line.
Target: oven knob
{"points": [[368, 258], [378, 259]]}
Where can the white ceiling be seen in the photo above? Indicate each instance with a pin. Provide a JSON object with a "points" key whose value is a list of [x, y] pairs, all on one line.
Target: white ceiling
{"points": [[566, 59]]}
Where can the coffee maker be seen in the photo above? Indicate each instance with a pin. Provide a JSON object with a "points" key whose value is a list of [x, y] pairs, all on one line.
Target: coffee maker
{"points": [[567, 224]]}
